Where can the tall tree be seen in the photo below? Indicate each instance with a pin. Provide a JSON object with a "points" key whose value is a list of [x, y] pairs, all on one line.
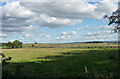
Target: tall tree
{"points": [[17, 44]]}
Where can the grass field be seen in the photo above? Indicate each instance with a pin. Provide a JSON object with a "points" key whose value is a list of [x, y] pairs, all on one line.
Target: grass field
{"points": [[61, 62], [68, 45]]}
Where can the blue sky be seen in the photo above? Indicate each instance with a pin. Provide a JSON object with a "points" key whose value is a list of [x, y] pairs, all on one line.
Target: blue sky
{"points": [[58, 22], [3, 3]]}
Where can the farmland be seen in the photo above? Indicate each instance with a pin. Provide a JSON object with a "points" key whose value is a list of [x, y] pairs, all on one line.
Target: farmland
{"points": [[62, 60], [70, 45]]}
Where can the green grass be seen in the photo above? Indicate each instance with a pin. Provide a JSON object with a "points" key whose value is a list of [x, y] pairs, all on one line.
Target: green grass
{"points": [[61, 62]]}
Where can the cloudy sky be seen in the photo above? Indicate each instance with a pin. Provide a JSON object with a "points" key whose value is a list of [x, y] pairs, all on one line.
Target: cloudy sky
{"points": [[56, 22]]}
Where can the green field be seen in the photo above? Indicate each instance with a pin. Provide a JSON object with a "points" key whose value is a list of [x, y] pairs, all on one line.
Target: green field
{"points": [[68, 45], [61, 62]]}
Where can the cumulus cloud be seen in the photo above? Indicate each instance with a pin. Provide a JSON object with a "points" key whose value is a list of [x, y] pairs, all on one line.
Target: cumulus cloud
{"points": [[16, 19], [54, 22], [103, 33], [73, 33], [16, 14], [98, 33], [19, 19], [66, 9], [22, 17], [100, 36], [45, 35], [15, 10], [28, 35], [68, 0], [21, 38], [66, 35], [3, 35], [95, 28], [11, 40]]}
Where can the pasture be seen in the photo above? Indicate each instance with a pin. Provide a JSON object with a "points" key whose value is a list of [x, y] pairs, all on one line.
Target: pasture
{"points": [[69, 45], [37, 62]]}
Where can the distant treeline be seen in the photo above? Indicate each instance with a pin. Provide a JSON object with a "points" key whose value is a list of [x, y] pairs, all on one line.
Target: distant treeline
{"points": [[95, 42]]}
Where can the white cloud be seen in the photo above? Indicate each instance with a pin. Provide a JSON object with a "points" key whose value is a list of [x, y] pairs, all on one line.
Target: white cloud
{"points": [[54, 22], [66, 35], [63, 33], [16, 19], [45, 35], [98, 33], [15, 10], [72, 10], [68, 0], [103, 33], [73, 33], [3, 35], [95, 28], [28, 35], [15, 15], [37, 40], [21, 38], [11, 40], [20, 17]]}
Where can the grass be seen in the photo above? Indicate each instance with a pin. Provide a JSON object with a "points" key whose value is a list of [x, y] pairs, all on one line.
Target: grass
{"points": [[28, 54], [61, 62], [69, 45]]}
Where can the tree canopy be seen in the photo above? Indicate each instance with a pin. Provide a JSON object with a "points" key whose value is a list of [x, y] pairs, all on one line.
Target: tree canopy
{"points": [[15, 44]]}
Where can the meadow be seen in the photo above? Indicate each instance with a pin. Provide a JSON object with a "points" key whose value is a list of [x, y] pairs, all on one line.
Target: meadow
{"points": [[62, 60]]}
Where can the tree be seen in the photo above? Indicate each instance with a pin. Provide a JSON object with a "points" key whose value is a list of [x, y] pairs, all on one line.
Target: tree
{"points": [[17, 44], [32, 45], [35, 42], [114, 20], [9, 45]]}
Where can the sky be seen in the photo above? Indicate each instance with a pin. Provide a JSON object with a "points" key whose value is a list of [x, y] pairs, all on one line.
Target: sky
{"points": [[56, 22]]}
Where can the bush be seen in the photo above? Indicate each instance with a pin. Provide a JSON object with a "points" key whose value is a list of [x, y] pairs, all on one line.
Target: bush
{"points": [[32, 45], [17, 44], [35, 42]]}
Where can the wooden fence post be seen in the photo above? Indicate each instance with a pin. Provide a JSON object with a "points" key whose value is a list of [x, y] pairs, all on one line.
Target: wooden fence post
{"points": [[85, 70]]}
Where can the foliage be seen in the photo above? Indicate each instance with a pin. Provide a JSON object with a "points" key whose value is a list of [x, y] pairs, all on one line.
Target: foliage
{"points": [[9, 45], [35, 42], [114, 20], [15, 44], [32, 45]]}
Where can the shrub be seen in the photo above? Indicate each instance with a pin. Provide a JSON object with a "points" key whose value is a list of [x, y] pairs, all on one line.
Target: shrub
{"points": [[32, 45]]}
